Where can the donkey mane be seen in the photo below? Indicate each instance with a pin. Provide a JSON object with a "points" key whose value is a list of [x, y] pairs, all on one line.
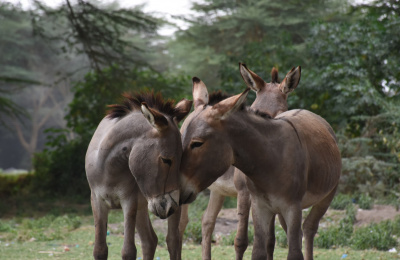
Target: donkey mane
{"points": [[217, 96], [133, 101]]}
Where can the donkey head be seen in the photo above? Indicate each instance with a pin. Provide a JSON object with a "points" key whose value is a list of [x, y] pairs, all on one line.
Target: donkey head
{"points": [[206, 152], [155, 158], [271, 97]]}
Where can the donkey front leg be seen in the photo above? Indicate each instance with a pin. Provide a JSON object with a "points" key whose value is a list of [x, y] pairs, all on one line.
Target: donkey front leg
{"points": [[208, 222], [292, 215], [263, 219], [100, 215], [174, 239], [148, 237], [129, 208], [243, 212]]}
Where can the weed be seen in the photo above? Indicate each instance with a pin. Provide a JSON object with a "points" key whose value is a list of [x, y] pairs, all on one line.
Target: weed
{"points": [[230, 202], [337, 235], [229, 240], [193, 232], [280, 236], [341, 201], [377, 236], [115, 216], [365, 202]]}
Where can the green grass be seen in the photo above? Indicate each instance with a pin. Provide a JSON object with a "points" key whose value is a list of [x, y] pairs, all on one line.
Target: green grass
{"points": [[42, 229]]}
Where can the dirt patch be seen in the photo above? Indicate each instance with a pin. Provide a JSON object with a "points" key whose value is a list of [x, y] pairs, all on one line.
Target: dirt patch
{"points": [[227, 219], [375, 215]]}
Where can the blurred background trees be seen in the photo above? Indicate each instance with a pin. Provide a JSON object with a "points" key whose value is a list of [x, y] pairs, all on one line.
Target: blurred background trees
{"points": [[62, 66]]}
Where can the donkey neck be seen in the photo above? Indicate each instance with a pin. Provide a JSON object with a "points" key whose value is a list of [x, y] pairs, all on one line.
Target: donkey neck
{"points": [[258, 143], [121, 133]]}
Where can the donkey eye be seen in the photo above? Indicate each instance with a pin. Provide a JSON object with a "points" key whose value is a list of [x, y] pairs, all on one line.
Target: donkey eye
{"points": [[166, 161], [195, 144]]}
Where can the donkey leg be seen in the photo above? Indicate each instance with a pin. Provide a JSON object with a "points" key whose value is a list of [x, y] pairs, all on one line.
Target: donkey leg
{"points": [[148, 237], [282, 222], [262, 219], [208, 222], [310, 226], [100, 215], [292, 216], [174, 241], [184, 220], [243, 212], [129, 207], [271, 238]]}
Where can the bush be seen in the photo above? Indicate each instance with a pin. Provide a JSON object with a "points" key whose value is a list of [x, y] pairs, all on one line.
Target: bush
{"points": [[193, 232], [365, 202], [337, 235], [341, 201], [378, 236]]}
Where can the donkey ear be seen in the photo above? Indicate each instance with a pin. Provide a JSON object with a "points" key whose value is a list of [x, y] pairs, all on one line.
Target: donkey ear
{"points": [[251, 79], [182, 109], [291, 80], [156, 119], [200, 93], [226, 107]]}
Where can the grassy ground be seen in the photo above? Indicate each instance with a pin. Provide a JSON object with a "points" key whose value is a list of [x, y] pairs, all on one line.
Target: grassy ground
{"points": [[34, 229]]}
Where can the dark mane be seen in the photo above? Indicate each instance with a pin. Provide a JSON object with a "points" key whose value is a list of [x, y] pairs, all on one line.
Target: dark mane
{"points": [[133, 101], [259, 113], [217, 96]]}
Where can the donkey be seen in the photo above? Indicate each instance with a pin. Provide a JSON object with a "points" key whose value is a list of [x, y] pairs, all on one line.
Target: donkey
{"points": [[271, 98], [134, 156], [291, 162]]}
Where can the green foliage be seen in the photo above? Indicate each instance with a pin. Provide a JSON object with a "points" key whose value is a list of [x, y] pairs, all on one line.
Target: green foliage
{"points": [[11, 185], [193, 231], [229, 240], [229, 202], [46, 228], [280, 236], [341, 201], [377, 236], [196, 210], [365, 202], [337, 235]]}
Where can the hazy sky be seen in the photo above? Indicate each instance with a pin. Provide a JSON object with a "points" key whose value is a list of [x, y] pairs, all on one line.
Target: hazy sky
{"points": [[164, 8]]}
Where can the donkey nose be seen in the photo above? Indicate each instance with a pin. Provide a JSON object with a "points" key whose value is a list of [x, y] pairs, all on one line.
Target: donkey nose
{"points": [[164, 205]]}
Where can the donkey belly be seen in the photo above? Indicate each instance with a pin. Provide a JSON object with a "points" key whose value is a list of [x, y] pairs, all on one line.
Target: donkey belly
{"points": [[225, 185]]}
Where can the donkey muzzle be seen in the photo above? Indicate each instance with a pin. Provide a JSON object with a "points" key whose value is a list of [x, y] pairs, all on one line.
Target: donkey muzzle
{"points": [[164, 205]]}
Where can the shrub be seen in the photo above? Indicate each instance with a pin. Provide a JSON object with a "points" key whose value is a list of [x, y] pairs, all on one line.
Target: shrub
{"points": [[341, 201], [193, 232], [378, 236], [337, 235], [365, 202]]}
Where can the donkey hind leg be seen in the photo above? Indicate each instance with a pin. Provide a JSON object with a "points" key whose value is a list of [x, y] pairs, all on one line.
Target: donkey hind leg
{"points": [[282, 222], [129, 207], [148, 238], [208, 222], [243, 212], [310, 226], [100, 215], [292, 217], [262, 219], [174, 240]]}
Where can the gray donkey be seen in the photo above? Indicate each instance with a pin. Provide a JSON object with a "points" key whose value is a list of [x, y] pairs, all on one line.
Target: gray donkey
{"points": [[133, 161]]}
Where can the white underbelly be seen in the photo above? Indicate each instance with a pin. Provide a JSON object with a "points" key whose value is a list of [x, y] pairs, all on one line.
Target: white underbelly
{"points": [[224, 186]]}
